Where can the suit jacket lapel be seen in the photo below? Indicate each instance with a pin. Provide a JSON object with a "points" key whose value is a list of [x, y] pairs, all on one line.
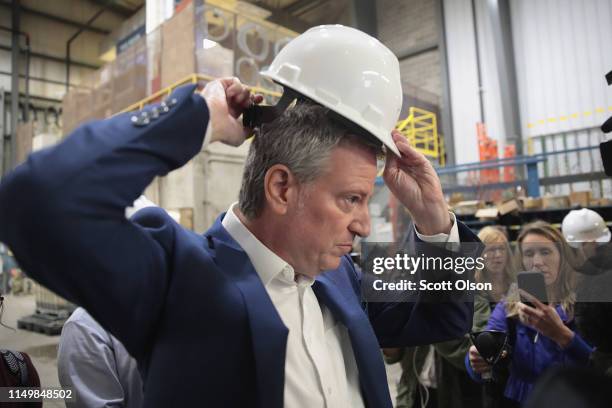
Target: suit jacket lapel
{"points": [[268, 333], [372, 374]]}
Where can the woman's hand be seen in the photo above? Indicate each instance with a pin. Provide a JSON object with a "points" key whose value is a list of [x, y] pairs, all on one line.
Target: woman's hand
{"points": [[477, 362], [545, 320]]}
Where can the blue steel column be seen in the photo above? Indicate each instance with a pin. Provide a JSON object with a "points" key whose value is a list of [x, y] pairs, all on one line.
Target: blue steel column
{"points": [[533, 180]]}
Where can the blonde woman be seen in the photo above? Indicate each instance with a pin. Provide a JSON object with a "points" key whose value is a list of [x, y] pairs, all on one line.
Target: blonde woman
{"points": [[542, 335], [499, 267]]}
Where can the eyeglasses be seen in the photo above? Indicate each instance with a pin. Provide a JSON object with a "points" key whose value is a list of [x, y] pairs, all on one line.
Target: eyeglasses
{"points": [[492, 250]]}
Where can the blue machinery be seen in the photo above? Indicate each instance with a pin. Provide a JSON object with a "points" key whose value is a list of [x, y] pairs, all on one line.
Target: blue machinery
{"points": [[531, 184]]}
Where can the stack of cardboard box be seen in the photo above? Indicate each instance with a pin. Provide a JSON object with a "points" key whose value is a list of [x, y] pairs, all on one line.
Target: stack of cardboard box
{"points": [[146, 64], [580, 198], [102, 94], [154, 60], [130, 76], [178, 46], [76, 108]]}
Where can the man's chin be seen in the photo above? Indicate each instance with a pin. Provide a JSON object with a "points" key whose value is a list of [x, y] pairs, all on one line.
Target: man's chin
{"points": [[331, 263]]}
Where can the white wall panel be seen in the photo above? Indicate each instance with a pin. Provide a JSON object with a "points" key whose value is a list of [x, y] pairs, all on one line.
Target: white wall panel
{"points": [[562, 52], [462, 67], [493, 117], [463, 80]]}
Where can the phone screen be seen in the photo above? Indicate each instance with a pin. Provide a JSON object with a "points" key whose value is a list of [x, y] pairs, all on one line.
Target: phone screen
{"points": [[533, 283]]}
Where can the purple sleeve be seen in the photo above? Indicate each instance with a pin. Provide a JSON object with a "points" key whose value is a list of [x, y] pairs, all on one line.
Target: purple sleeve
{"points": [[578, 351], [497, 320]]}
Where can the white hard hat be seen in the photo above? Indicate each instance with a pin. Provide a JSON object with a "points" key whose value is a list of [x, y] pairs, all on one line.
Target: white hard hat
{"points": [[584, 226], [347, 71]]}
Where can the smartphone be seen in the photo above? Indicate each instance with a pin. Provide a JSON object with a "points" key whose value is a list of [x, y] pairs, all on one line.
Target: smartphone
{"points": [[532, 283]]}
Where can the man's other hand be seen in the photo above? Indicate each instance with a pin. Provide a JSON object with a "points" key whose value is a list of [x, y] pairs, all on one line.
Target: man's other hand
{"points": [[414, 182], [227, 98]]}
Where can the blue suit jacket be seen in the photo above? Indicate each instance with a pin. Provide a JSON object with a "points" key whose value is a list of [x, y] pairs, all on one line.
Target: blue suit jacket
{"points": [[190, 308]]}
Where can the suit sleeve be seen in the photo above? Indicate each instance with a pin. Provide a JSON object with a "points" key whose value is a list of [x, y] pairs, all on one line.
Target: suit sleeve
{"points": [[424, 320], [62, 214]]}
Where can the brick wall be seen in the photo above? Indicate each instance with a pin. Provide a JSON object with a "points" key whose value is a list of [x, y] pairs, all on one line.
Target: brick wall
{"points": [[409, 24]]}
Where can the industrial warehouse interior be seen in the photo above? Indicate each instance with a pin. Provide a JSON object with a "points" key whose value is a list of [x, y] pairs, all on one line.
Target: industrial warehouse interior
{"points": [[162, 160]]}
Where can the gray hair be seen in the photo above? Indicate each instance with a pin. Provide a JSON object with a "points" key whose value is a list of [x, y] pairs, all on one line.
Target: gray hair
{"points": [[302, 139]]}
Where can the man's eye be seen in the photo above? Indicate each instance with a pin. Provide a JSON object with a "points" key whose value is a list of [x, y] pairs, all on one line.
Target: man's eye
{"points": [[353, 199]]}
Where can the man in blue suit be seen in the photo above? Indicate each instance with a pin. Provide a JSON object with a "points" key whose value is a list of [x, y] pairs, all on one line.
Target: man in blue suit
{"points": [[263, 309]]}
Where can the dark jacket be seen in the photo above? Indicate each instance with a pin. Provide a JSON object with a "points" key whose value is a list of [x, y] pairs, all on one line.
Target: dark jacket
{"points": [[454, 387], [182, 302]]}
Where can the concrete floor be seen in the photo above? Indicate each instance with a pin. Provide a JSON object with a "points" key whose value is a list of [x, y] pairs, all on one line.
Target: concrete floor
{"points": [[43, 349]]}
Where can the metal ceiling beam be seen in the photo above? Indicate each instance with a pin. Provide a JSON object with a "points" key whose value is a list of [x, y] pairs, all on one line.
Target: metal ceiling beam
{"points": [[284, 18], [410, 52], [116, 8], [74, 37], [297, 5], [312, 5], [7, 96], [38, 79], [61, 60], [58, 19]]}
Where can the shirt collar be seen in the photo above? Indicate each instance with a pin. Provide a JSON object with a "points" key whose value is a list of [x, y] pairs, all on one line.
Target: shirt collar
{"points": [[267, 264]]}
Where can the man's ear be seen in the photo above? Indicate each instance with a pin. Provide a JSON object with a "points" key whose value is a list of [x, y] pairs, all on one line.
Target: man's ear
{"points": [[281, 187]]}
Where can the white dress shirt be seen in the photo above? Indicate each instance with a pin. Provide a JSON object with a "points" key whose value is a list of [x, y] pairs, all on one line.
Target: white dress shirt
{"points": [[320, 366], [97, 366]]}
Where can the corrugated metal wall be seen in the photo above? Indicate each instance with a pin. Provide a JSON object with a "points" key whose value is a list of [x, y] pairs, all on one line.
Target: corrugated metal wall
{"points": [[583, 162], [562, 52]]}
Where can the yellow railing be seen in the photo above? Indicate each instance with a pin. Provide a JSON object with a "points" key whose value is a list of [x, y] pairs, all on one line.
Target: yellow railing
{"points": [[190, 79], [420, 127], [421, 130]]}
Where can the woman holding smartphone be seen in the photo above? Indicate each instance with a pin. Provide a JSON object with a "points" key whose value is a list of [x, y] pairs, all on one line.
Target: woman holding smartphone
{"points": [[542, 335]]}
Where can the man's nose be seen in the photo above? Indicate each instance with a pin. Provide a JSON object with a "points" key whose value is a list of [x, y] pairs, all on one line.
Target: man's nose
{"points": [[361, 223]]}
